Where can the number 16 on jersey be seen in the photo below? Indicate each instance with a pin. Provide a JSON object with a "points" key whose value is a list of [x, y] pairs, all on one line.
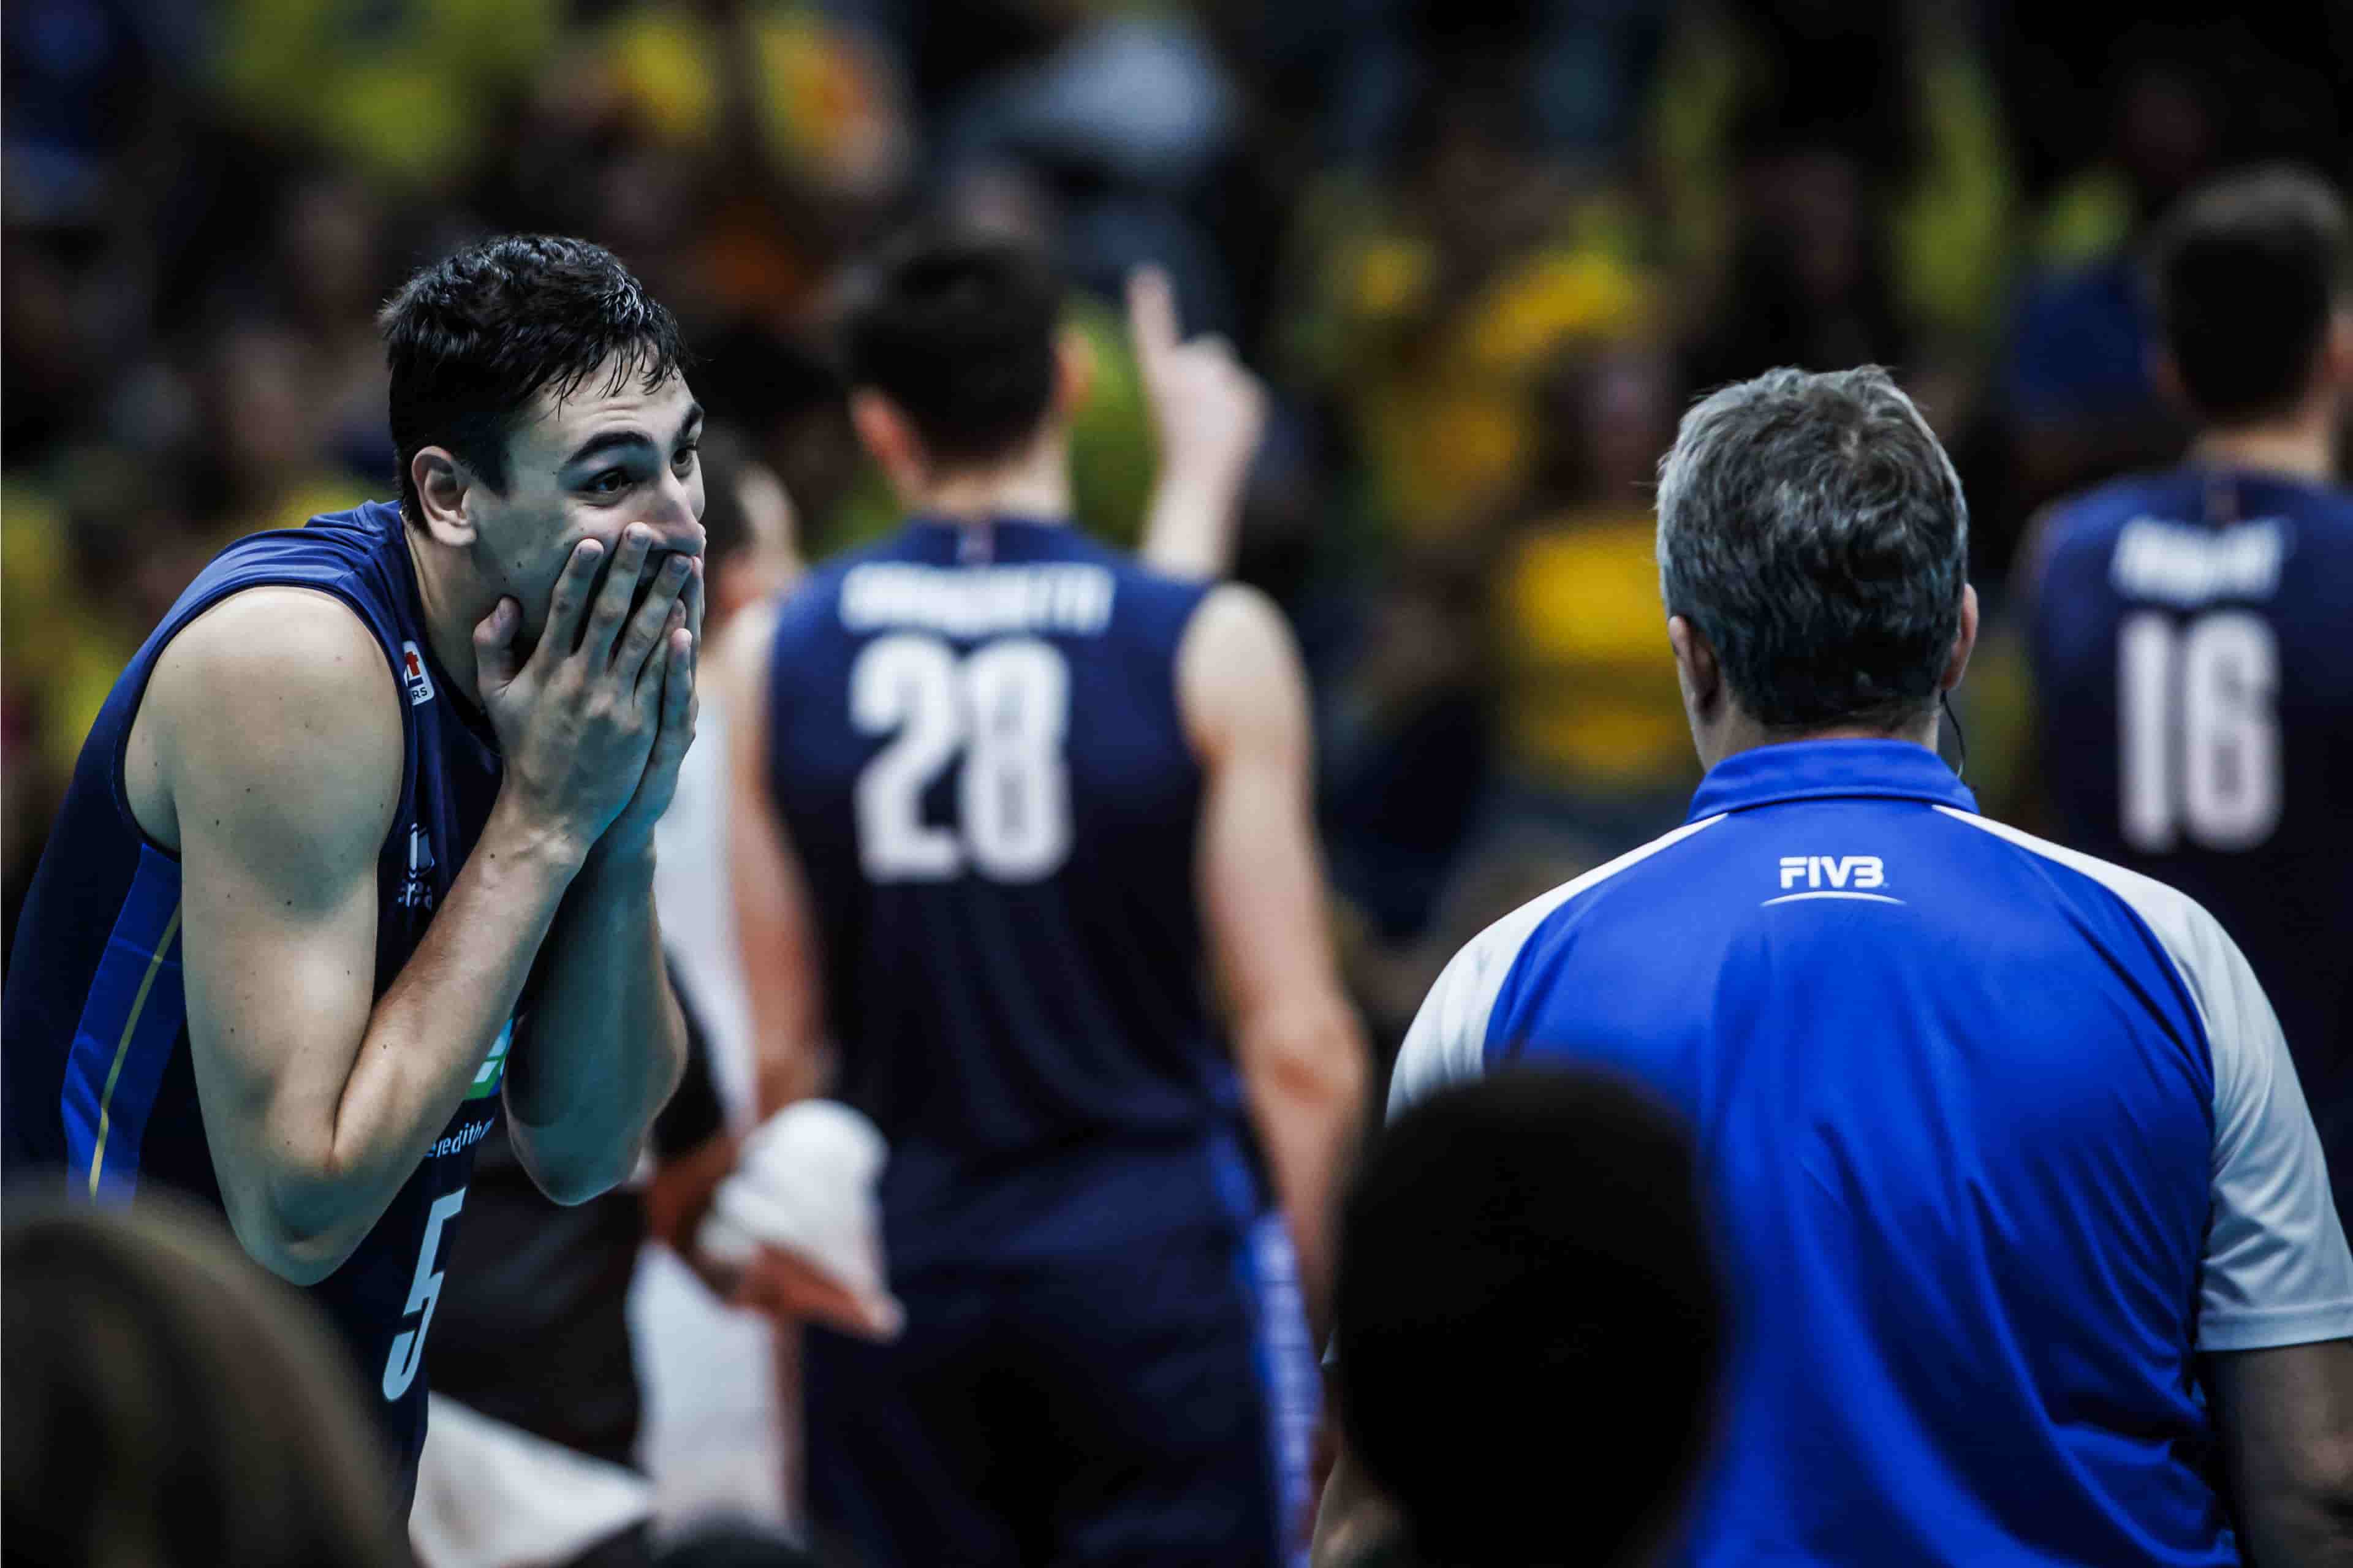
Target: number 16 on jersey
{"points": [[2199, 743]]}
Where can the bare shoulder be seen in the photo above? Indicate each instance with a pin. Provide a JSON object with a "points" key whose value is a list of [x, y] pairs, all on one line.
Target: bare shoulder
{"points": [[740, 651], [279, 696], [1238, 669], [739, 664]]}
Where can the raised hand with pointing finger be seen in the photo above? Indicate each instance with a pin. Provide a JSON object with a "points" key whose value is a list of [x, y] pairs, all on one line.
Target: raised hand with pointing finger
{"points": [[1208, 412]]}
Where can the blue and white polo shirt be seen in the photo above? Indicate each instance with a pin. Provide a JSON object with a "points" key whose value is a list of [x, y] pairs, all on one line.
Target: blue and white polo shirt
{"points": [[2002, 1139]]}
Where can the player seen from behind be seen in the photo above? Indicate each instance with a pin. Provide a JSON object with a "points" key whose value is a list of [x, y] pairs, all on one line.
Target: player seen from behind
{"points": [[2192, 631], [1006, 802]]}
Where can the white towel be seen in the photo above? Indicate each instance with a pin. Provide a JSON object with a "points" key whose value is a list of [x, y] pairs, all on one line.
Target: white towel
{"points": [[806, 1185]]}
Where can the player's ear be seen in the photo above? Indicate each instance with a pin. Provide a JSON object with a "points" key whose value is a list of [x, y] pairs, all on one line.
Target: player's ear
{"points": [[1074, 371], [1964, 640], [1696, 669], [886, 437], [443, 488]]}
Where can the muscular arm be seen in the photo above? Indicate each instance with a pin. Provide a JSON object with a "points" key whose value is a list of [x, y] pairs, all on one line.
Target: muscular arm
{"points": [[774, 930], [2286, 1420], [1295, 1037], [269, 748]]}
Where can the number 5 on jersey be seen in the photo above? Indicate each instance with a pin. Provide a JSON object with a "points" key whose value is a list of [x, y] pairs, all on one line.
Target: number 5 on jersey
{"points": [[1006, 706], [408, 1349]]}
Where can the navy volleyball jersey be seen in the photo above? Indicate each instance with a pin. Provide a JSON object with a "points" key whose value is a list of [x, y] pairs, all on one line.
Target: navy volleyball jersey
{"points": [[2193, 648], [100, 1094], [975, 744]]}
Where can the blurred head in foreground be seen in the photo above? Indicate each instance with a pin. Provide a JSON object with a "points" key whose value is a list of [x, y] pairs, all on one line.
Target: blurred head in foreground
{"points": [[2252, 277], [1813, 555], [168, 1405], [1529, 1326]]}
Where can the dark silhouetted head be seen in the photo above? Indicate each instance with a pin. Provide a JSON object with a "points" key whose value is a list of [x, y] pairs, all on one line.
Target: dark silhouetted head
{"points": [[1530, 1325]]}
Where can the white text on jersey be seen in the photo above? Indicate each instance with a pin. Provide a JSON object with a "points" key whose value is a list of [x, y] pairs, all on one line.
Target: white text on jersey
{"points": [[2176, 563], [977, 602]]}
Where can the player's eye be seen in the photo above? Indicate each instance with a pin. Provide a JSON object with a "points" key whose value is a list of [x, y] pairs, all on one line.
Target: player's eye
{"points": [[611, 483], [683, 461]]}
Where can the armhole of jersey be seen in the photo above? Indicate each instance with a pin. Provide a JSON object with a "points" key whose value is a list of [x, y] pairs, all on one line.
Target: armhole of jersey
{"points": [[1448, 1042], [1173, 667], [769, 690], [154, 655]]}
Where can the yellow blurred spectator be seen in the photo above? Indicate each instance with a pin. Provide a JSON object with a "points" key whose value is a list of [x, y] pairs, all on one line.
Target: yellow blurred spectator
{"points": [[406, 89], [1432, 337]]}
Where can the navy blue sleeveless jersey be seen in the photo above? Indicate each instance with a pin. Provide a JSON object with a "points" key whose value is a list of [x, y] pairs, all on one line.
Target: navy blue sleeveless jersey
{"points": [[100, 1094], [2192, 640], [975, 744]]}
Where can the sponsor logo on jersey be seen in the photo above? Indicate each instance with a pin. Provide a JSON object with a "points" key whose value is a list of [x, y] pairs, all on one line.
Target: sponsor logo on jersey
{"points": [[461, 1141], [1833, 877], [417, 886], [415, 675], [495, 1066]]}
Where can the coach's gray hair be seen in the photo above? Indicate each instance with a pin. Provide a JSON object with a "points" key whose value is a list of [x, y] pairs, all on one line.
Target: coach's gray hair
{"points": [[1813, 530]]}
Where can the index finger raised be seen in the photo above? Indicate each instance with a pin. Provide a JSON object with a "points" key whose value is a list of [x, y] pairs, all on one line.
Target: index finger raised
{"points": [[1152, 316]]}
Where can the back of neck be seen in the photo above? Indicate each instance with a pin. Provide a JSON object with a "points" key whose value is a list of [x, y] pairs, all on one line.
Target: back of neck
{"points": [[1035, 486], [2304, 448]]}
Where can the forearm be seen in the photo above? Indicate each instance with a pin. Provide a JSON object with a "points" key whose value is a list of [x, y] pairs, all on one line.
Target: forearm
{"points": [[424, 1041], [1303, 1074], [2297, 1531], [604, 1045], [1353, 1519], [1189, 529]]}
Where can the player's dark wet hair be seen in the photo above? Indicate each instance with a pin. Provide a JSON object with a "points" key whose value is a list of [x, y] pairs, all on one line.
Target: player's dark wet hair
{"points": [[957, 328], [474, 337], [2244, 275], [169, 1403], [1813, 530], [1529, 1324]]}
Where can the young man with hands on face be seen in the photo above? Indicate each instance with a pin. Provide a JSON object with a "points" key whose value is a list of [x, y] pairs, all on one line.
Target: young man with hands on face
{"points": [[359, 851]]}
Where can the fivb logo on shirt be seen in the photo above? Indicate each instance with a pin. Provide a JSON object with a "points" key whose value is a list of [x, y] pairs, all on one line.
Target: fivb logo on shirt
{"points": [[1833, 877], [414, 675]]}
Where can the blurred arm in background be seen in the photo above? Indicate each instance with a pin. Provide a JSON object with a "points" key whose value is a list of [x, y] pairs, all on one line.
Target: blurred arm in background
{"points": [[1243, 695]]}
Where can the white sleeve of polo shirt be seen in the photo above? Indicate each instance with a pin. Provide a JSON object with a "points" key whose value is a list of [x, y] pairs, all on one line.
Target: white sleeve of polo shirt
{"points": [[2276, 1268], [1448, 1042], [2277, 1271]]}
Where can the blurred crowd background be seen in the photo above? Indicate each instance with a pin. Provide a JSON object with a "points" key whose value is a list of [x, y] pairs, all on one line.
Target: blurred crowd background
{"points": [[1482, 251]]}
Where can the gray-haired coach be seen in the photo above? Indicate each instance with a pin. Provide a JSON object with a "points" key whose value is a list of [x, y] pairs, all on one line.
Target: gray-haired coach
{"points": [[2025, 1211]]}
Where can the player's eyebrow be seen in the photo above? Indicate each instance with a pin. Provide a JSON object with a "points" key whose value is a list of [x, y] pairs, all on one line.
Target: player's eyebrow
{"points": [[613, 441]]}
